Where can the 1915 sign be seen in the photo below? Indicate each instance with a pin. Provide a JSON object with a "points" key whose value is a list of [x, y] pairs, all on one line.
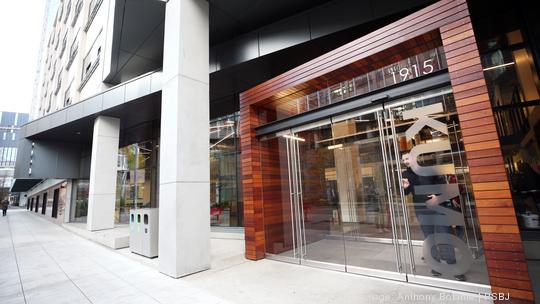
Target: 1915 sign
{"points": [[413, 67]]}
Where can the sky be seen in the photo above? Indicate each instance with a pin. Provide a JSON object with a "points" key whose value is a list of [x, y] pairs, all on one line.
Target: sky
{"points": [[20, 31]]}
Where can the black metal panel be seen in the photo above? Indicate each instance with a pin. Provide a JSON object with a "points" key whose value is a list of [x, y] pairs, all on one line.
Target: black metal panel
{"points": [[284, 34], [324, 21], [242, 49], [47, 159], [23, 185], [318, 19], [137, 39]]}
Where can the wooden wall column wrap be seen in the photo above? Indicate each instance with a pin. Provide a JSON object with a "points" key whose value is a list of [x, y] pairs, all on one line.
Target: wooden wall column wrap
{"points": [[503, 249], [502, 243], [252, 184]]}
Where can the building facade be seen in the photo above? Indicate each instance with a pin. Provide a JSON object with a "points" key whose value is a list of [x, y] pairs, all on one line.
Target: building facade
{"points": [[10, 123], [397, 139]]}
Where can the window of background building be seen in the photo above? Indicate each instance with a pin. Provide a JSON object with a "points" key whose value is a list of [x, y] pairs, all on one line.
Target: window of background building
{"points": [[91, 61], [225, 187]]}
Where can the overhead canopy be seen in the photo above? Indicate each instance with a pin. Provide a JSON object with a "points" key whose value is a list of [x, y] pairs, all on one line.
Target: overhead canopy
{"points": [[24, 184]]}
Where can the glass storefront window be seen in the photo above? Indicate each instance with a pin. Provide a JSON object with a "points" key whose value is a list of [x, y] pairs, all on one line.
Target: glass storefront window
{"points": [[225, 193], [514, 92], [418, 65], [135, 179], [383, 191], [79, 207]]}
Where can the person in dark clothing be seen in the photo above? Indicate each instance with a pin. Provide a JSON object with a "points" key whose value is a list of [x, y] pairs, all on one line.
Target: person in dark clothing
{"points": [[5, 205], [423, 213]]}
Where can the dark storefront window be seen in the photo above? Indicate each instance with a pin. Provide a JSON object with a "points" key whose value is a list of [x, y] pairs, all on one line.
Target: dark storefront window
{"points": [[514, 90], [225, 193], [79, 207], [136, 179]]}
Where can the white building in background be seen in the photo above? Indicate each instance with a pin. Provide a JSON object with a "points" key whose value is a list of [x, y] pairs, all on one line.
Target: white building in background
{"points": [[49, 14], [72, 52], [10, 123], [107, 91]]}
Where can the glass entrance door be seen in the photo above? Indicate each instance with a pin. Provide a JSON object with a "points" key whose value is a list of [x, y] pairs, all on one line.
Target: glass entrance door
{"points": [[343, 213], [373, 231], [314, 201], [438, 210], [382, 192]]}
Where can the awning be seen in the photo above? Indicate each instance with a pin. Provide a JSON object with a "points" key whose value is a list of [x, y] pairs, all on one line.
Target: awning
{"points": [[24, 184]]}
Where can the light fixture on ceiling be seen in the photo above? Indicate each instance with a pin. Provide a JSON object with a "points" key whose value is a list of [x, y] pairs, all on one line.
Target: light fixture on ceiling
{"points": [[499, 66], [338, 146], [294, 137]]}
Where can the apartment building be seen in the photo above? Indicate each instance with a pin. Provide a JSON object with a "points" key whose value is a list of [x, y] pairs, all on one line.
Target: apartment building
{"points": [[395, 139], [10, 123]]}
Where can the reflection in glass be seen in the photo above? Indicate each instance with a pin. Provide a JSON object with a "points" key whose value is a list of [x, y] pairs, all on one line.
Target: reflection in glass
{"points": [[225, 195], [334, 193], [440, 212], [79, 207], [413, 67], [319, 195], [362, 184], [514, 91], [135, 179]]}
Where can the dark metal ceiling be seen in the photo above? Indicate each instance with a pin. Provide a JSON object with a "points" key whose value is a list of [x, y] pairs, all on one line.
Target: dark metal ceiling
{"points": [[137, 44]]}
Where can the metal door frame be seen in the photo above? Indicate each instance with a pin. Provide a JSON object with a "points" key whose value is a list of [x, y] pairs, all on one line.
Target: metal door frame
{"points": [[403, 245]]}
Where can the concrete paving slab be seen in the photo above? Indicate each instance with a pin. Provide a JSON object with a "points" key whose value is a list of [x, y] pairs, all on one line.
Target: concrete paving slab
{"points": [[45, 263]]}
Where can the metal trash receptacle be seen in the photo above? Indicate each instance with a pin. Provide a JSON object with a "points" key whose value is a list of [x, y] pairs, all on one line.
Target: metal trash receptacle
{"points": [[149, 232], [135, 244], [143, 231]]}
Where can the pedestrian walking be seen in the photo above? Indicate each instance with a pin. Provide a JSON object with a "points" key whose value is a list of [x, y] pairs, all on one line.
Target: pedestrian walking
{"points": [[5, 204]]}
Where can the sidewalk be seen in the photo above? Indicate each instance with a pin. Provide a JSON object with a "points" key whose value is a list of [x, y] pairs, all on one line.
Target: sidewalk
{"points": [[41, 262]]}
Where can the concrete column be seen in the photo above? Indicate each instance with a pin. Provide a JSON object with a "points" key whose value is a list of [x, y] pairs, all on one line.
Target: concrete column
{"points": [[103, 166], [184, 187], [68, 200]]}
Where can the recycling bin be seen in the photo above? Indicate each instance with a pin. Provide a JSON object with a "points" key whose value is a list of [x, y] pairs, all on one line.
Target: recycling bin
{"points": [[143, 237]]}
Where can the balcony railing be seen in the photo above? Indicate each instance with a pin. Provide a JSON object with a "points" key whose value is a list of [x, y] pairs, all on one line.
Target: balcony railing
{"points": [[63, 48], [72, 54], [57, 43], [68, 10], [67, 97], [58, 85], [78, 9], [92, 12], [53, 73], [89, 70]]}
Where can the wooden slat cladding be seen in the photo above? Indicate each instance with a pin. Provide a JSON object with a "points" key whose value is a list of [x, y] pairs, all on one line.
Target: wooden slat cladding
{"points": [[251, 184], [449, 19], [506, 263]]}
